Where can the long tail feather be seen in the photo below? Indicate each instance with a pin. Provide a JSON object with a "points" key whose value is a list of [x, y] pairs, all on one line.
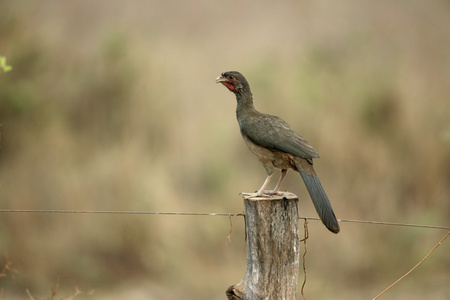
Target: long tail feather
{"points": [[321, 202]]}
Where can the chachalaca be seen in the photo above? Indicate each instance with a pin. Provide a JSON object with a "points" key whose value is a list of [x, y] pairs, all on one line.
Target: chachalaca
{"points": [[277, 146]]}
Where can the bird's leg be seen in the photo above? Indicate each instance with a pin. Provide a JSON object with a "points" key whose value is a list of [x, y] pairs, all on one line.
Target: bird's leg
{"points": [[277, 187], [259, 193], [283, 174], [266, 182]]}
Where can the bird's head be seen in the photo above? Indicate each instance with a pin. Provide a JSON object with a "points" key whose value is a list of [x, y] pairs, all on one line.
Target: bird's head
{"points": [[234, 81]]}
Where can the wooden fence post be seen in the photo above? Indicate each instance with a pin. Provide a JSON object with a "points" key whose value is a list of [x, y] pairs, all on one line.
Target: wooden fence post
{"points": [[271, 227]]}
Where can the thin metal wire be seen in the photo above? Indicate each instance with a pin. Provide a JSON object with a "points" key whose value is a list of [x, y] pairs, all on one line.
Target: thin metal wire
{"points": [[117, 212], [385, 223], [396, 224]]}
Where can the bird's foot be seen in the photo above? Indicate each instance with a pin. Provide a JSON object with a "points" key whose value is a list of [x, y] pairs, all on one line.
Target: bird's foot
{"points": [[264, 194], [273, 193], [253, 195]]}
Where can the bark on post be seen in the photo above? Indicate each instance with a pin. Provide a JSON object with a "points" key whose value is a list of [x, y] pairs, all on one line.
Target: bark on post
{"points": [[271, 226]]}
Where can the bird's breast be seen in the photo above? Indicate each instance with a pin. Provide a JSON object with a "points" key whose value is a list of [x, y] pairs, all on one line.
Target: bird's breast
{"points": [[270, 159]]}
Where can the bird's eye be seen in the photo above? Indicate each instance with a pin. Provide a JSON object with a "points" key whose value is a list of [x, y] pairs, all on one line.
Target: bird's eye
{"points": [[231, 77]]}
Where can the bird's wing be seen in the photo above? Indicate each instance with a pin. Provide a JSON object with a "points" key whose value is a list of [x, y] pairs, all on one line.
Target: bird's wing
{"points": [[275, 134]]}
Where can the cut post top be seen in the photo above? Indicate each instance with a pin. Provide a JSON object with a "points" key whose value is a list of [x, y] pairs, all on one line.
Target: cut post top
{"points": [[267, 195]]}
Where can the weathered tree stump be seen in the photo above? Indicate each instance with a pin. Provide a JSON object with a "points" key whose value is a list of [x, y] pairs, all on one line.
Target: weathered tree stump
{"points": [[271, 226]]}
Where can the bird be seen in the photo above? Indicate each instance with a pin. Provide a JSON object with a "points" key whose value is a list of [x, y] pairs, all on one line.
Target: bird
{"points": [[277, 146]]}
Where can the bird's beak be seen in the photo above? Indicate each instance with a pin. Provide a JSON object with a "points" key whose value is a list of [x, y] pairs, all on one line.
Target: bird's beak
{"points": [[220, 79]]}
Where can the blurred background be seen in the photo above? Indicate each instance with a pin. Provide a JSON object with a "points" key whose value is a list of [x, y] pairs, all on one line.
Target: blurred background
{"points": [[112, 105]]}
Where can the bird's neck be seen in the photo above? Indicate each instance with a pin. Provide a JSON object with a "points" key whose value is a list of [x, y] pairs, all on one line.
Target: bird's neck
{"points": [[244, 103]]}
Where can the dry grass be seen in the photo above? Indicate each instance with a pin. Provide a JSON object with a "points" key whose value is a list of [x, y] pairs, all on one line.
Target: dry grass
{"points": [[10, 273], [113, 106]]}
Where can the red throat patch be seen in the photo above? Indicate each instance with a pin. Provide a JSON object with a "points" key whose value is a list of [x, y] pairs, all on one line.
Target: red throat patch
{"points": [[229, 86]]}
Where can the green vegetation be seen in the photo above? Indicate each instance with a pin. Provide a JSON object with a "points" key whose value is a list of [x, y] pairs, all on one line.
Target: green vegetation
{"points": [[3, 66]]}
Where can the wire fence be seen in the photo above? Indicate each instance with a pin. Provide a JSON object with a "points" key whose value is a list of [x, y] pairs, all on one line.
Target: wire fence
{"points": [[128, 212], [230, 215]]}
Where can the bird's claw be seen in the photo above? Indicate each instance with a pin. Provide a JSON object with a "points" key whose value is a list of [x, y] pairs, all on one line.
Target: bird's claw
{"points": [[248, 195], [265, 194], [273, 193]]}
